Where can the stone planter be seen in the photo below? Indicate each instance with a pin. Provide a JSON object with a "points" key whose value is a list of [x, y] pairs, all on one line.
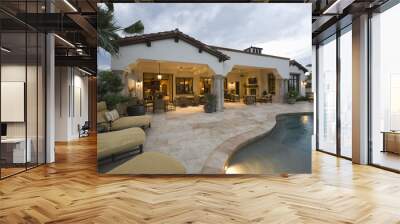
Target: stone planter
{"points": [[291, 100]]}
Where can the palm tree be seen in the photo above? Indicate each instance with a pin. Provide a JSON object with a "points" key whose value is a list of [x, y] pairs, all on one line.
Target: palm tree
{"points": [[107, 29]]}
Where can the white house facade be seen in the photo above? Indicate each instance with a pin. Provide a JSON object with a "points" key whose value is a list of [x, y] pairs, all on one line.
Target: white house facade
{"points": [[177, 65]]}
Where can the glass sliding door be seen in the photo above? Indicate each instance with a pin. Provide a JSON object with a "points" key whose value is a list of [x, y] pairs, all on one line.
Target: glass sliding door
{"points": [[346, 92], [326, 96], [385, 89], [22, 101], [13, 86], [31, 98]]}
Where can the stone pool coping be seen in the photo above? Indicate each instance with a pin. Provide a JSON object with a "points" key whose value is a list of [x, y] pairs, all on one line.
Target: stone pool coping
{"points": [[215, 163]]}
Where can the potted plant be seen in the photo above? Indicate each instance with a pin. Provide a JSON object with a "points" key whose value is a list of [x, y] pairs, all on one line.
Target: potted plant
{"points": [[292, 96], [264, 93], [135, 107], [211, 103]]}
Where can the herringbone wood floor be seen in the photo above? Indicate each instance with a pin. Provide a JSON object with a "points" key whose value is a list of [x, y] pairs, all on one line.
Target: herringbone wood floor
{"points": [[70, 191]]}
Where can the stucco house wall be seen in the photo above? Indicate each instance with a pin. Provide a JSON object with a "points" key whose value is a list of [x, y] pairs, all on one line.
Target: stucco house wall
{"points": [[297, 70], [262, 61], [165, 50], [175, 47]]}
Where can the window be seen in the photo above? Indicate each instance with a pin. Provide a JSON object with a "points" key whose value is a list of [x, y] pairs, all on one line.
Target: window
{"points": [[334, 94], [294, 82], [385, 89], [22, 76], [271, 84], [205, 85], [346, 93], [326, 95], [252, 81], [184, 85]]}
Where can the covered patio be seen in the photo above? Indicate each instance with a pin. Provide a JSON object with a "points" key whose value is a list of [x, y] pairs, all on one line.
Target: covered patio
{"points": [[178, 83], [258, 82]]}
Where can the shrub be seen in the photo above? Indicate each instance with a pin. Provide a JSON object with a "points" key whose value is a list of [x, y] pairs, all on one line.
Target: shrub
{"points": [[109, 87], [292, 94]]}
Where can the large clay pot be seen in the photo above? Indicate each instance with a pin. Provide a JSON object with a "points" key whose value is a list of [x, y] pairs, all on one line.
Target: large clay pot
{"points": [[135, 110]]}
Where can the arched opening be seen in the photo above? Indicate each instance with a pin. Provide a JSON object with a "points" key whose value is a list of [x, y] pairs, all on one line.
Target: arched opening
{"points": [[257, 82]]}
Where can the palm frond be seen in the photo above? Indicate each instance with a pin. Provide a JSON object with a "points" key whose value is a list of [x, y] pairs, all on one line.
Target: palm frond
{"points": [[110, 6], [108, 30], [137, 27]]}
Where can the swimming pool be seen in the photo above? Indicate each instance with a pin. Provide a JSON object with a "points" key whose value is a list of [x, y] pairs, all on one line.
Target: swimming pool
{"points": [[284, 149]]}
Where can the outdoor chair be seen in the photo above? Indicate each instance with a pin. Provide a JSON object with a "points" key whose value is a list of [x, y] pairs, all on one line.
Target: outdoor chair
{"points": [[159, 105], [84, 129], [119, 123], [170, 105], [111, 145]]}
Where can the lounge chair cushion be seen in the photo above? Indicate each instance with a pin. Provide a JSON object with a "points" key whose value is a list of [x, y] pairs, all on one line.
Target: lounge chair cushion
{"points": [[101, 118], [101, 110], [131, 121], [101, 106], [117, 142], [112, 115], [150, 163]]}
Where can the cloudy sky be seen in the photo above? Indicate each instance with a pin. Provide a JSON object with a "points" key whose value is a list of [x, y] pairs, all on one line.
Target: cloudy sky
{"points": [[280, 29]]}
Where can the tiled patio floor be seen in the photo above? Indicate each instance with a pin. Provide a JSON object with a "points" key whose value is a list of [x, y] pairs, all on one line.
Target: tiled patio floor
{"points": [[192, 136]]}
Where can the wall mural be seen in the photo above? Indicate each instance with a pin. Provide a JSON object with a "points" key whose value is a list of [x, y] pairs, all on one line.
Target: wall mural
{"points": [[189, 94]]}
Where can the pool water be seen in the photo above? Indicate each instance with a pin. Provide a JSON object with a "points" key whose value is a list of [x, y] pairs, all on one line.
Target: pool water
{"points": [[285, 149]]}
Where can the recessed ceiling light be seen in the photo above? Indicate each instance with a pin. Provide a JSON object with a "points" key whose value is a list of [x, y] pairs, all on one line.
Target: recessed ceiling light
{"points": [[84, 71], [64, 40], [70, 5]]}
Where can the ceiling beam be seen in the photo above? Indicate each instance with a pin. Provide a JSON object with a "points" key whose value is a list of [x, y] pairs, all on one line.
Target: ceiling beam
{"points": [[78, 61], [89, 30]]}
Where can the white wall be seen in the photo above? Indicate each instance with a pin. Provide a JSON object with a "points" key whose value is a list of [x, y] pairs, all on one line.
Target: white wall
{"points": [[262, 61], [166, 50], [70, 83], [33, 126]]}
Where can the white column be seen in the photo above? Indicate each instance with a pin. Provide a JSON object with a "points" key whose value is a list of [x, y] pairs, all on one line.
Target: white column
{"points": [[282, 90], [50, 101], [218, 90], [360, 90], [314, 90]]}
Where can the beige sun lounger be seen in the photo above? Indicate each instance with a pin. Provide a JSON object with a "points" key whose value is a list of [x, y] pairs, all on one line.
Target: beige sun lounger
{"points": [[150, 163], [143, 121], [111, 144]]}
